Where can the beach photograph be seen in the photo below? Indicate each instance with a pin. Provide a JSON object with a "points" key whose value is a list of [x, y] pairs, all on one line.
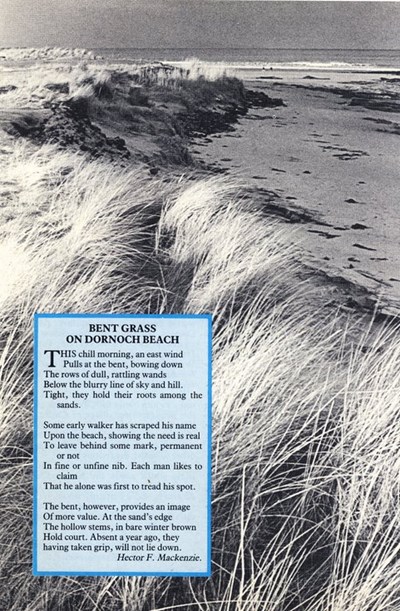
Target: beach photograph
{"points": [[240, 159]]}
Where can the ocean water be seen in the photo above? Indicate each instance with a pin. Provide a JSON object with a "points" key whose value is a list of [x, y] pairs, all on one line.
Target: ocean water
{"points": [[363, 60]]}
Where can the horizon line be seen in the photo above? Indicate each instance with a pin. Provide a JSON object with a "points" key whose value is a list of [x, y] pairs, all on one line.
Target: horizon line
{"points": [[250, 48]]}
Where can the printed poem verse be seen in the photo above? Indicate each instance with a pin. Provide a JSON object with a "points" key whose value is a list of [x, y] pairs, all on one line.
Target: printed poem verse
{"points": [[122, 445]]}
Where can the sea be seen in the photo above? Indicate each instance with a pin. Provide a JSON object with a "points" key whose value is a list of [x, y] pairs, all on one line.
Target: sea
{"points": [[363, 60]]}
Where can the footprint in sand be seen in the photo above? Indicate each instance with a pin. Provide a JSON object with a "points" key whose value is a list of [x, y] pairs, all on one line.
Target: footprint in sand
{"points": [[324, 234], [359, 226], [356, 245]]}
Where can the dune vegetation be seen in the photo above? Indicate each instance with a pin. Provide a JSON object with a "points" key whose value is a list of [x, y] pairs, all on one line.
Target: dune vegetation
{"points": [[306, 511]]}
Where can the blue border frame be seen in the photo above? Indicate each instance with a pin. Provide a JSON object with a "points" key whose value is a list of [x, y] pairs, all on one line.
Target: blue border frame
{"points": [[35, 570]]}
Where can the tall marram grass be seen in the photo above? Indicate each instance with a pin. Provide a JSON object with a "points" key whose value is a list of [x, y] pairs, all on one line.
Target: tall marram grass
{"points": [[306, 512], [37, 84]]}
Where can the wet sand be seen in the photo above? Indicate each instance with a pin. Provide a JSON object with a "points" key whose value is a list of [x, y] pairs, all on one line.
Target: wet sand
{"points": [[329, 155]]}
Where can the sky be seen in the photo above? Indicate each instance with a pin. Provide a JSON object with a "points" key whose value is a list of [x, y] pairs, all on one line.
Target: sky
{"points": [[200, 24]]}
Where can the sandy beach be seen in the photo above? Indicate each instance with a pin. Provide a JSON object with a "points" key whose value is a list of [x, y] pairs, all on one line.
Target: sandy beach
{"points": [[333, 157]]}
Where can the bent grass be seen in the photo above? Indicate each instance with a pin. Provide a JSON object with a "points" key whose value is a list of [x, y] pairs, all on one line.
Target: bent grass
{"points": [[305, 446]]}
